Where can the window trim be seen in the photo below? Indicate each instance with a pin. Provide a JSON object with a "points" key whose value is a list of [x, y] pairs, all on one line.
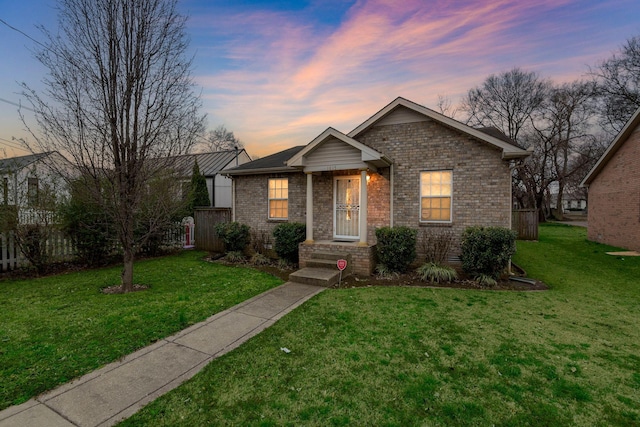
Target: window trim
{"points": [[420, 197], [269, 199]]}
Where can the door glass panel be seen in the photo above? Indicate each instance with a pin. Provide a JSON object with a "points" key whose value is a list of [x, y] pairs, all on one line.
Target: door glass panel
{"points": [[347, 222]]}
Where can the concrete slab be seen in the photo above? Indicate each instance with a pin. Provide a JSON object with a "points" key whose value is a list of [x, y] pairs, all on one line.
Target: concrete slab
{"points": [[33, 414], [119, 388], [224, 331]]}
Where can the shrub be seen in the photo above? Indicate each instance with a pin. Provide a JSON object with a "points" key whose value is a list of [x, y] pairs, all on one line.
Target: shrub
{"points": [[385, 273], [260, 259], [487, 250], [88, 226], [234, 257], [260, 242], [396, 247], [287, 237], [234, 235], [436, 244], [32, 239], [436, 273]]}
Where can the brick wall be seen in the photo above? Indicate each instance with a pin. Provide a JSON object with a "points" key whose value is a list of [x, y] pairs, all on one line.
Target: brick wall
{"points": [[614, 198], [252, 202], [481, 179]]}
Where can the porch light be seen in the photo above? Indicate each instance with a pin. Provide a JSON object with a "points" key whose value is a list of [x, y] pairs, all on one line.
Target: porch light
{"points": [[368, 177]]}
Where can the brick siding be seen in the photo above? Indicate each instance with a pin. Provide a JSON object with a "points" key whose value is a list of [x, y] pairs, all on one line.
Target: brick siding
{"points": [[481, 184], [614, 198]]}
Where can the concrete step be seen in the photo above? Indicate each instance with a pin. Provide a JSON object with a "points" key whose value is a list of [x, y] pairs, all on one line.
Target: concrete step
{"points": [[332, 256], [329, 264], [316, 276]]}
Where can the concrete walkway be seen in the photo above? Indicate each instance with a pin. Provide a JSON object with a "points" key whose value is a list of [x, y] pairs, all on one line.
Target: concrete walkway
{"points": [[118, 390]]}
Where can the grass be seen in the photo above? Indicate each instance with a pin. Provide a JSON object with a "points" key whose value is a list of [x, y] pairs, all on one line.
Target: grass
{"points": [[421, 356], [57, 328]]}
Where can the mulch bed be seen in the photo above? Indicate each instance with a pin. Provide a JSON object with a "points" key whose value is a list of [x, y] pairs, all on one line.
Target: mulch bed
{"points": [[411, 279]]}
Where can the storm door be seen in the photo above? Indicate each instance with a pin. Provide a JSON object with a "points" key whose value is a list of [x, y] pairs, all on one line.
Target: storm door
{"points": [[346, 213]]}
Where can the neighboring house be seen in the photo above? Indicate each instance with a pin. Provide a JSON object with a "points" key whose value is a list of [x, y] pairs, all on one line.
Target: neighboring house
{"points": [[405, 165], [32, 184], [211, 166], [614, 190]]}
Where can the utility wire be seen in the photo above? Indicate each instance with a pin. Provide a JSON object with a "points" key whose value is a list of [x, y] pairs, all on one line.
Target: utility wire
{"points": [[22, 32], [17, 104]]}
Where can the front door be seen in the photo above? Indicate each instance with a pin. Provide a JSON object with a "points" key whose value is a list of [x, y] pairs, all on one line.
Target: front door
{"points": [[346, 212]]}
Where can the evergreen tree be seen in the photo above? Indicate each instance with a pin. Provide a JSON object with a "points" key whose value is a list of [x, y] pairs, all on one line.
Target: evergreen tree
{"points": [[199, 195]]}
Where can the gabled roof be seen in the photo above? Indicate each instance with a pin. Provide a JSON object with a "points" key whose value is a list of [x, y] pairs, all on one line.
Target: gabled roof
{"points": [[14, 164], [269, 164], [210, 164], [367, 154], [509, 151], [615, 145]]}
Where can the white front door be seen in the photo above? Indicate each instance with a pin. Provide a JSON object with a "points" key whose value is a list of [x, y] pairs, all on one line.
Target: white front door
{"points": [[346, 212]]}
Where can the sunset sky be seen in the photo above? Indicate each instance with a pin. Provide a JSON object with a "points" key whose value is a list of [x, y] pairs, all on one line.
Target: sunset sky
{"points": [[278, 73]]}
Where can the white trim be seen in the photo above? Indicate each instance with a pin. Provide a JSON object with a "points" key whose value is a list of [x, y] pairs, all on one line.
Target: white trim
{"points": [[370, 157], [420, 197], [269, 199], [624, 134], [335, 197]]}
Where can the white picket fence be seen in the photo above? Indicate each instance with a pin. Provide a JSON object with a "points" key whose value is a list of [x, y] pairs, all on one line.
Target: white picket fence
{"points": [[59, 248]]}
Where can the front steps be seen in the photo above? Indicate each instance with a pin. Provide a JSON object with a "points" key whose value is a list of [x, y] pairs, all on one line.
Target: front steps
{"points": [[321, 269]]}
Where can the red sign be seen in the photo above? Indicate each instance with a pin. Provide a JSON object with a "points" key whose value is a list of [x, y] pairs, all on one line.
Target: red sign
{"points": [[342, 264]]}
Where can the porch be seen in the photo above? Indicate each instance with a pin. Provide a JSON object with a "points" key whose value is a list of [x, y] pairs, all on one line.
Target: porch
{"points": [[362, 260]]}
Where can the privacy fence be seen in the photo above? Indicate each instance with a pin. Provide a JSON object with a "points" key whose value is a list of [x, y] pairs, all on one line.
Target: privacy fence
{"points": [[525, 223], [206, 220]]}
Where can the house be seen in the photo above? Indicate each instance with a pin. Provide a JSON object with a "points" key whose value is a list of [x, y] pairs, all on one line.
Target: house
{"points": [[212, 166], [405, 165], [614, 190], [32, 184]]}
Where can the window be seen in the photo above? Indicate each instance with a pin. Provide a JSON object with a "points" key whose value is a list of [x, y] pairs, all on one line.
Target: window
{"points": [[435, 196], [278, 198], [32, 191]]}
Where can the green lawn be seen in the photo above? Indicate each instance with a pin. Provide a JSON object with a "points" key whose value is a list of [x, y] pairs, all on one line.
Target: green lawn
{"points": [[56, 328], [419, 356]]}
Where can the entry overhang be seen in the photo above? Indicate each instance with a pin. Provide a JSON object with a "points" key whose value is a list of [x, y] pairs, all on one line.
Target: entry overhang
{"points": [[333, 150]]}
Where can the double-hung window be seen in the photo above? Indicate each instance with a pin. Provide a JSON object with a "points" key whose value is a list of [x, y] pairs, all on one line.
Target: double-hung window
{"points": [[278, 198], [435, 196]]}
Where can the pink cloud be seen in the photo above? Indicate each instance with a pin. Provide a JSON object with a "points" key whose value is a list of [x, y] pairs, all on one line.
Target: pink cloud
{"points": [[298, 78]]}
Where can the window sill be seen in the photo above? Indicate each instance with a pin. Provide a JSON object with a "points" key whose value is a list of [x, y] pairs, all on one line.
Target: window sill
{"points": [[436, 224], [277, 220]]}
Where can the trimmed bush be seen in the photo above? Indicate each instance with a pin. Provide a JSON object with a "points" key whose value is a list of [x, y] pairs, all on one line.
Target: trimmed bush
{"points": [[487, 250], [287, 237], [234, 235], [396, 247]]}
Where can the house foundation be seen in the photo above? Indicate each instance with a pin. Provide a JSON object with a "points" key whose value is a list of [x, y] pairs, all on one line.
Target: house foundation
{"points": [[363, 258]]}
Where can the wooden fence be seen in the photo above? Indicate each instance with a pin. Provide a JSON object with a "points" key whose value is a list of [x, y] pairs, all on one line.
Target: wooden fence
{"points": [[525, 223], [60, 248], [206, 220]]}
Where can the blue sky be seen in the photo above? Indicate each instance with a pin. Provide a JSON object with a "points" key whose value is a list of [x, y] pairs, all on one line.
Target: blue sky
{"points": [[278, 73]]}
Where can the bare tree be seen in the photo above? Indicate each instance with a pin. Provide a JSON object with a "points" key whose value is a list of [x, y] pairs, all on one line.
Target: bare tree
{"points": [[118, 98], [618, 84], [445, 107], [221, 139], [506, 101], [564, 126]]}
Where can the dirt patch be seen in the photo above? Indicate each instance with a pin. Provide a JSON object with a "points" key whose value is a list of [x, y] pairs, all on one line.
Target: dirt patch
{"points": [[118, 289]]}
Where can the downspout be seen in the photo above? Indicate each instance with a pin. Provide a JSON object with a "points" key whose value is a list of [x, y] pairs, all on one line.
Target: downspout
{"points": [[233, 199], [391, 194]]}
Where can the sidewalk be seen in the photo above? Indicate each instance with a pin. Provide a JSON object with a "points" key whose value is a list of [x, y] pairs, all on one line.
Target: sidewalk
{"points": [[118, 390]]}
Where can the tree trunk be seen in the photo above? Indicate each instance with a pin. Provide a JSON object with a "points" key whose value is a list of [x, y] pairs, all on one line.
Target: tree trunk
{"points": [[559, 214], [127, 271]]}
